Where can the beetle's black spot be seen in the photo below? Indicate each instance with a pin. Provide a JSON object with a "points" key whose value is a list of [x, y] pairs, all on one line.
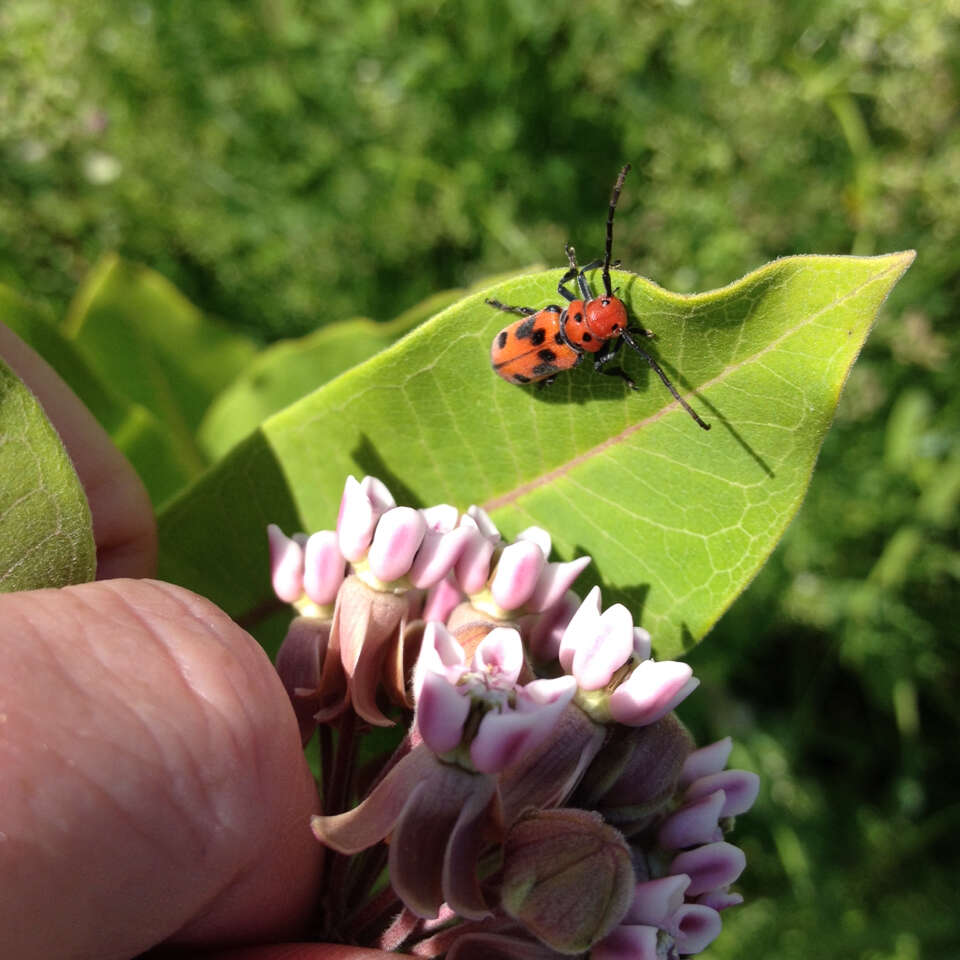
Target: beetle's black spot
{"points": [[547, 355], [544, 370], [502, 339], [558, 337], [525, 330], [520, 378], [578, 318], [539, 335], [587, 338]]}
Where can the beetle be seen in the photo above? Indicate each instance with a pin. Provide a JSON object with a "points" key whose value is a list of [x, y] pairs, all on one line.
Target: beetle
{"points": [[545, 342]]}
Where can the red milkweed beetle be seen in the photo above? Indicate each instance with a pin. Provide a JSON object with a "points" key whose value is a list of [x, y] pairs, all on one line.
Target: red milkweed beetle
{"points": [[548, 341]]}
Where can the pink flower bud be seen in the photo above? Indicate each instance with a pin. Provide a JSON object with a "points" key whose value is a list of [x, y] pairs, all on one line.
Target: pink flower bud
{"points": [[539, 536], [694, 927], [601, 646], [710, 866], [286, 565], [360, 508], [441, 518], [323, 567], [651, 691], [442, 710], [554, 581], [473, 566], [504, 738], [739, 786], [706, 760], [442, 597], [584, 620], [720, 899], [439, 653], [655, 901], [695, 823], [516, 574], [544, 631], [437, 556], [641, 644], [480, 519], [395, 543]]}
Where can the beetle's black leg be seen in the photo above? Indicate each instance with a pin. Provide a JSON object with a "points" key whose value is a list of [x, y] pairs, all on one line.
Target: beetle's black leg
{"points": [[640, 332], [656, 369], [585, 290], [606, 355], [569, 275], [523, 311]]}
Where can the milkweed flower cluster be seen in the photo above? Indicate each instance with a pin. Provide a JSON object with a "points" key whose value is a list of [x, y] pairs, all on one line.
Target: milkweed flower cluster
{"points": [[537, 797]]}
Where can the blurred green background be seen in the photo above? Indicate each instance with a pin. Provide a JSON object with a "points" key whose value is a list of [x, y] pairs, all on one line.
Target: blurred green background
{"points": [[289, 166]]}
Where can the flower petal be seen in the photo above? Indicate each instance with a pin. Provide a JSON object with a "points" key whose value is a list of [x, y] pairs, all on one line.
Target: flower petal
{"points": [[539, 536], [720, 899], [602, 650], [583, 621], [442, 598], [694, 823], [441, 518], [360, 508], [396, 540], [420, 840], [554, 581], [369, 823], [710, 866], [653, 689], [740, 787], [503, 739], [437, 556], [473, 567], [710, 759], [655, 901], [544, 631], [442, 710], [500, 653], [323, 567], [694, 927], [286, 564], [516, 574]]}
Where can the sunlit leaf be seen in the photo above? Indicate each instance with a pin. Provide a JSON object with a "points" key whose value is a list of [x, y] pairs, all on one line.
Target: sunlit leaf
{"points": [[290, 369], [151, 346], [678, 520], [46, 537]]}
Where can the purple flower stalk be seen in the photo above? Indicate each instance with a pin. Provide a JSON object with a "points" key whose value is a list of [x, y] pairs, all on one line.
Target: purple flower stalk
{"points": [[541, 798]]}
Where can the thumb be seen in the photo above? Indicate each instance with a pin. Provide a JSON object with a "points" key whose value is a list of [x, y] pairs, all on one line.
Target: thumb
{"points": [[153, 782]]}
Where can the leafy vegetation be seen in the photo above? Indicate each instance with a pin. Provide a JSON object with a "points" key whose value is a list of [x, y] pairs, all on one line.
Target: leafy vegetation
{"points": [[289, 167]]}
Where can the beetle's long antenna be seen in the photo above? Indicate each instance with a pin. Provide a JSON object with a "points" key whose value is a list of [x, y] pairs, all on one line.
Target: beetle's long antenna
{"points": [[656, 369], [614, 197]]}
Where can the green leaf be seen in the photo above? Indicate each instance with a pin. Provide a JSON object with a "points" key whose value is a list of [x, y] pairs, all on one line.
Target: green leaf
{"points": [[153, 347], [677, 520], [141, 437], [291, 369], [46, 536]]}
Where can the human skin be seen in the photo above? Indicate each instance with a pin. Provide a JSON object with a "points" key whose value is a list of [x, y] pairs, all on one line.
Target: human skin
{"points": [[154, 798]]}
